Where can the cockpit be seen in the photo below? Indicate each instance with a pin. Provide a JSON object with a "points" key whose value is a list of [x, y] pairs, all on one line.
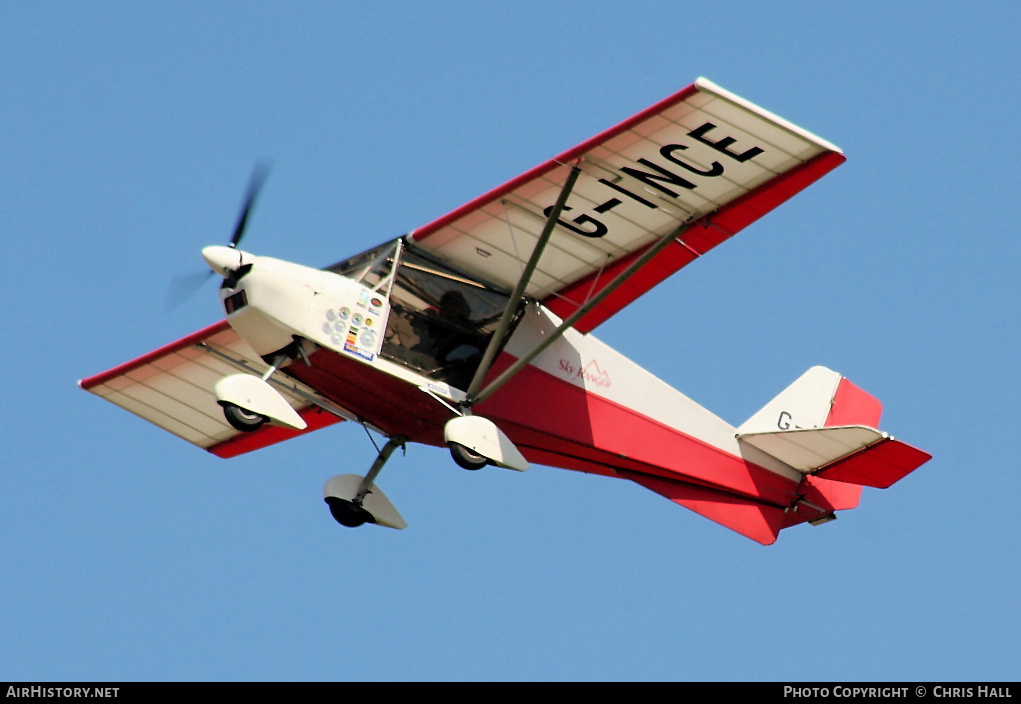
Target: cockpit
{"points": [[441, 319]]}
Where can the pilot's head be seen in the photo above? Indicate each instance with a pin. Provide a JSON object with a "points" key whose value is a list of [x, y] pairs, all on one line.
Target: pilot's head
{"points": [[453, 305]]}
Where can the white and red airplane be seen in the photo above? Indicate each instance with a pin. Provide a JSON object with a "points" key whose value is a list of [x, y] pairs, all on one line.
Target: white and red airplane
{"points": [[474, 333]]}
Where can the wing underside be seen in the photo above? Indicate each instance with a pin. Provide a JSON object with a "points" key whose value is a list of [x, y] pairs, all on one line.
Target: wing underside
{"points": [[703, 158], [172, 387]]}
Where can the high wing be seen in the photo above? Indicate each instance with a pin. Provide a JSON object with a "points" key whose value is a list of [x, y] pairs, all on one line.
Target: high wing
{"points": [[666, 185], [703, 164], [172, 387]]}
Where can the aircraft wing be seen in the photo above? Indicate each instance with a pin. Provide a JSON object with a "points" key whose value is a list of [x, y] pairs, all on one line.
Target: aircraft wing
{"points": [[703, 156], [172, 387]]}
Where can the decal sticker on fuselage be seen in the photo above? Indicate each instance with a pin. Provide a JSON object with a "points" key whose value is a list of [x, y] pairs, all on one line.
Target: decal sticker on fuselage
{"points": [[356, 329], [590, 374]]}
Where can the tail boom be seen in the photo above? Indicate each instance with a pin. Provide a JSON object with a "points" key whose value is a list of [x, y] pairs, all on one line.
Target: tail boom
{"points": [[822, 426]]}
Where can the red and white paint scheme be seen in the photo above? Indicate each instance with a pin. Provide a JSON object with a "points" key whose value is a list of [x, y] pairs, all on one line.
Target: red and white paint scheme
{"points": [[473, 332]]}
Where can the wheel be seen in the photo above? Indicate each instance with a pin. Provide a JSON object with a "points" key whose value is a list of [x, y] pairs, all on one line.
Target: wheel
{"points": [[465, 458], [242, 420], [347, 513]]}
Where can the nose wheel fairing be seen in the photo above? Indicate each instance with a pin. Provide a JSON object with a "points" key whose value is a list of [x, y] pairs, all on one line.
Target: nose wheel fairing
{"points": [[355, 500], [340, 494]]}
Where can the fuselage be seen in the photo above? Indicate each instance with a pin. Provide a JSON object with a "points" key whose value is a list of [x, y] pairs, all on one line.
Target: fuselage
{"points": [[578, 405]]}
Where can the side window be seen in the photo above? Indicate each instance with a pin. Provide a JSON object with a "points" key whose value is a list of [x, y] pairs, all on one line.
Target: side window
{"points": [[440, 321]]}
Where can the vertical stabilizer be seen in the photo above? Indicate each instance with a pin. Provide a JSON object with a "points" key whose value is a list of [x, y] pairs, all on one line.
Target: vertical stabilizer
{"points": [[819, 398], [804, 404]]}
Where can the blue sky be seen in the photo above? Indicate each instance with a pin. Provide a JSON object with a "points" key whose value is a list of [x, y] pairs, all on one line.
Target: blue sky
{"points": [[127, 134]]}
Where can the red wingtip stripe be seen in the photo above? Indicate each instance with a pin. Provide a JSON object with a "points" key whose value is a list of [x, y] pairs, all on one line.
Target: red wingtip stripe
{"points": [[103, 377]]}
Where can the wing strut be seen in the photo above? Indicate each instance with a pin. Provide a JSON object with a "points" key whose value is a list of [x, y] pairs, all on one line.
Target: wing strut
{"points": [[637, 264], [512, 305]]}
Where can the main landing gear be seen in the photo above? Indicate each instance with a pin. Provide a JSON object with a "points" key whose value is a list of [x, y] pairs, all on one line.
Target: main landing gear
{"points": [[250, 402], [475, 442]]}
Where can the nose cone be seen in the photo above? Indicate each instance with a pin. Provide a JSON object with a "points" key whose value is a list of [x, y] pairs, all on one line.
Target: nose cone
{"points": [[222, 260]]}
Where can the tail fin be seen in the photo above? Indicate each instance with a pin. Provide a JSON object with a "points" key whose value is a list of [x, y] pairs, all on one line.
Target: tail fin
{"points": [[824, 426], [819, 398]]}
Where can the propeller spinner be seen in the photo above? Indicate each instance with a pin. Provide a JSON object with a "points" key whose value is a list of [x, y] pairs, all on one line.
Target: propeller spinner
{"points": [[224, 260]]}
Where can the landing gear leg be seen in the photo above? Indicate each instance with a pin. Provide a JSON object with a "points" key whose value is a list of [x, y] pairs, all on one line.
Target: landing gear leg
{"points": [[281, 358], [377, 466]]}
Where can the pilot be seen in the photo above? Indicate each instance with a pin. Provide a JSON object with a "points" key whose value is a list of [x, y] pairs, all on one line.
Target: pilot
{"points": [[449, 335], [454, 308]]}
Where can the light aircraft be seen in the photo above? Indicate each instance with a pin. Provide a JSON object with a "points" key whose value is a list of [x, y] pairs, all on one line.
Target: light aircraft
{"points": [[474, 333]]}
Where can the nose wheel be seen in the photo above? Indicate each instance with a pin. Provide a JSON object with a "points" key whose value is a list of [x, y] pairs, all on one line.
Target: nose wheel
{"points": [[467, 459], [347, 513]]}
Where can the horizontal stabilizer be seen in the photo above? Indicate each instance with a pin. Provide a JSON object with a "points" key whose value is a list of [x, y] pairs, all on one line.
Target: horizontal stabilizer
{"points": [[855, 454], [807, 450]]}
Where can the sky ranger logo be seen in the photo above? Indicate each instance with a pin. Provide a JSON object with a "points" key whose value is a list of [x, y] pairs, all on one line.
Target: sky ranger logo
{"points": [[670, 177], [590, 374]]}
